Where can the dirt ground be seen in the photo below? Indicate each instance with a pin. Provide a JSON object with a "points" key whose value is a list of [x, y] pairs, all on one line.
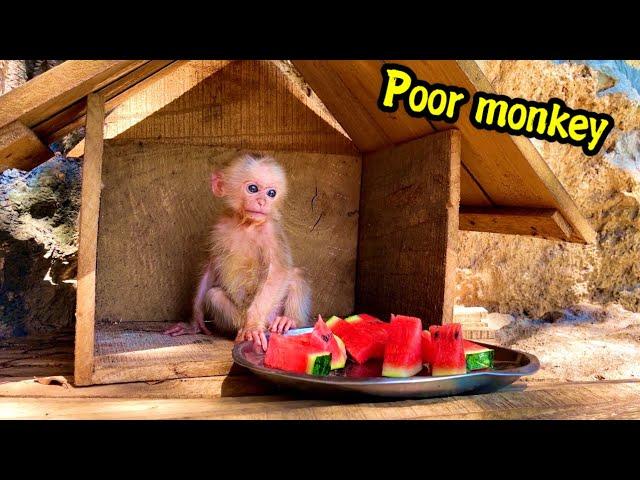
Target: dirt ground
{"points": [[582, 343]]}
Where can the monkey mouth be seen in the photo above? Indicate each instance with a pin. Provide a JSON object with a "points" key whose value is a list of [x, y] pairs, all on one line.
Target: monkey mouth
{"points": [[255, 212]]}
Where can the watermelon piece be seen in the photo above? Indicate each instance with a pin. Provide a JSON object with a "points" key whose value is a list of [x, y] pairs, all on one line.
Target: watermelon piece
{"points": [[427, 347], [332, 321], [477, 356], [324, 337], [363, 317], [339, 327], [298, 355], [447, 354], [403, 351], [360, 344], [338, 354]]}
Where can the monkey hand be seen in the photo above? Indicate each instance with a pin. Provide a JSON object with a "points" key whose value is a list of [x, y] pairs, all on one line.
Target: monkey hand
{"points": [[282, 325], [253, 332], [196, 326]]}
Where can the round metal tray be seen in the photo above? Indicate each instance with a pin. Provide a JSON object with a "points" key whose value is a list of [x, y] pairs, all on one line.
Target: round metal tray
{"points": [[365, 379]]}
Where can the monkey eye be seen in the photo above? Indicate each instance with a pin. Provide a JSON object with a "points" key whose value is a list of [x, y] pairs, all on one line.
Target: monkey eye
{"points": [[252, 188], [271, 192]]}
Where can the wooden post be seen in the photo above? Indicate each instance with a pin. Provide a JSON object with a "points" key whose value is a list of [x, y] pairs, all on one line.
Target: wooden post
{"points": [[88, 240], [408, 229]]}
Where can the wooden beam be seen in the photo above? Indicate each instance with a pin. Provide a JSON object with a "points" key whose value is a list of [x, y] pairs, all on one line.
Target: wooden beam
{"points": [[153, 94], [408, 229], [88, 240], [115, 93], [21, 148], [537, 222], [354, 117], [56, 89]]}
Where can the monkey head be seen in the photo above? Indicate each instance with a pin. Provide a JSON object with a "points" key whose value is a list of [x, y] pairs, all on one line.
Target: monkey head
{"points": [[252, 185]]}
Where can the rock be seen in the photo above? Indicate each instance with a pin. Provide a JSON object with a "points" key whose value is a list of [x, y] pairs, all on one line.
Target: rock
{"points": [[38, 245]]}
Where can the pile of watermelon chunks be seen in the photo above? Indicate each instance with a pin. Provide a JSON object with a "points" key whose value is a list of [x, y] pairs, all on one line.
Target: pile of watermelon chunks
{"points": [[401, 344]]}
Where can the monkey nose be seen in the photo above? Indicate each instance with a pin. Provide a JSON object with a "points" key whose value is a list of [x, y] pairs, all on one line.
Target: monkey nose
{"points": [[261, 202]]}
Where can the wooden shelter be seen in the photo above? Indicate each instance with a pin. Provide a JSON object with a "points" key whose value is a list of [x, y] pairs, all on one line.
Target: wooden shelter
{"points": [[376, 198]]}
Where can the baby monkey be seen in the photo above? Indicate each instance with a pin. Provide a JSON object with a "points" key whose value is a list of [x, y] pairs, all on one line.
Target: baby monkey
{"points": [[249, 283]]}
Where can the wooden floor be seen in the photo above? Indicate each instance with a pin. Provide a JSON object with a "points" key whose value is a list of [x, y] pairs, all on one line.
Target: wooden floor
{"points": [[36, 382]]}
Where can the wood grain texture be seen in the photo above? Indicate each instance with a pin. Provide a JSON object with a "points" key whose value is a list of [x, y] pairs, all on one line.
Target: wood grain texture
{"points": [[88, 240], [72, 117], [537, 222], [21, 148], [135, 351], [603, 400], [247, 104], [157, 210], [408, 229], [198, 387], [56, 89], [508, 169], [152, 94]]}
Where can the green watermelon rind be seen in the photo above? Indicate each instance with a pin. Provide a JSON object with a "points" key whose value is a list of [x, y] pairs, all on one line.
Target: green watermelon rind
{"points": [[401, 372], [319, 364], [480, 360], [337, 363], [352, 319]]}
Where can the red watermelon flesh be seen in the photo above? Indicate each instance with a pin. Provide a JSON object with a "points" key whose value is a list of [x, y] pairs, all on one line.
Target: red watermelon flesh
{"points": [[324, 337], [340, 326], [360, 344], [298, 355], [403, 351], [364, 336], [448, 350], [427, 347]]}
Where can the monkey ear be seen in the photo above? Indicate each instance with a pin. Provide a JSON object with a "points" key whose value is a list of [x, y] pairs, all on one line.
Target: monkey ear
{"points": [[217, 184]]}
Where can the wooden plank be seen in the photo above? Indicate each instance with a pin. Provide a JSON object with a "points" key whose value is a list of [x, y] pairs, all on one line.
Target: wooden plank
{"points": [[134, 351], [603, 400], [353, 116], [408, 228], [471, 194], [114, 93], [56, 89], [363, 80], [21, 148], [88, 240], [201, 387], [537, 222]]}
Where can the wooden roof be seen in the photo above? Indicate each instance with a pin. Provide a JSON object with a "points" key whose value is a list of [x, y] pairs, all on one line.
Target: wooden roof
{"points": [[506, 186]]}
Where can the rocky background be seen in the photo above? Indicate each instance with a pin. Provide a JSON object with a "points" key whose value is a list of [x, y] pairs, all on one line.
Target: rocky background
{"points": [[38, 231], [540, 292], [532, 277]]}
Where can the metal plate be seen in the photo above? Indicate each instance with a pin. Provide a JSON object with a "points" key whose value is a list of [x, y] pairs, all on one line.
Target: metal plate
{"points": [[366, 380]]}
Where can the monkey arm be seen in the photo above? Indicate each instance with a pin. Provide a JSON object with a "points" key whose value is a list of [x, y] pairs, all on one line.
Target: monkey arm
{"points": [[268, 296]]}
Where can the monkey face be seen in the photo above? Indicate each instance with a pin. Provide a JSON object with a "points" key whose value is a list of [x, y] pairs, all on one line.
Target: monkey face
{"points": [[254, 187], [259, 199]]}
